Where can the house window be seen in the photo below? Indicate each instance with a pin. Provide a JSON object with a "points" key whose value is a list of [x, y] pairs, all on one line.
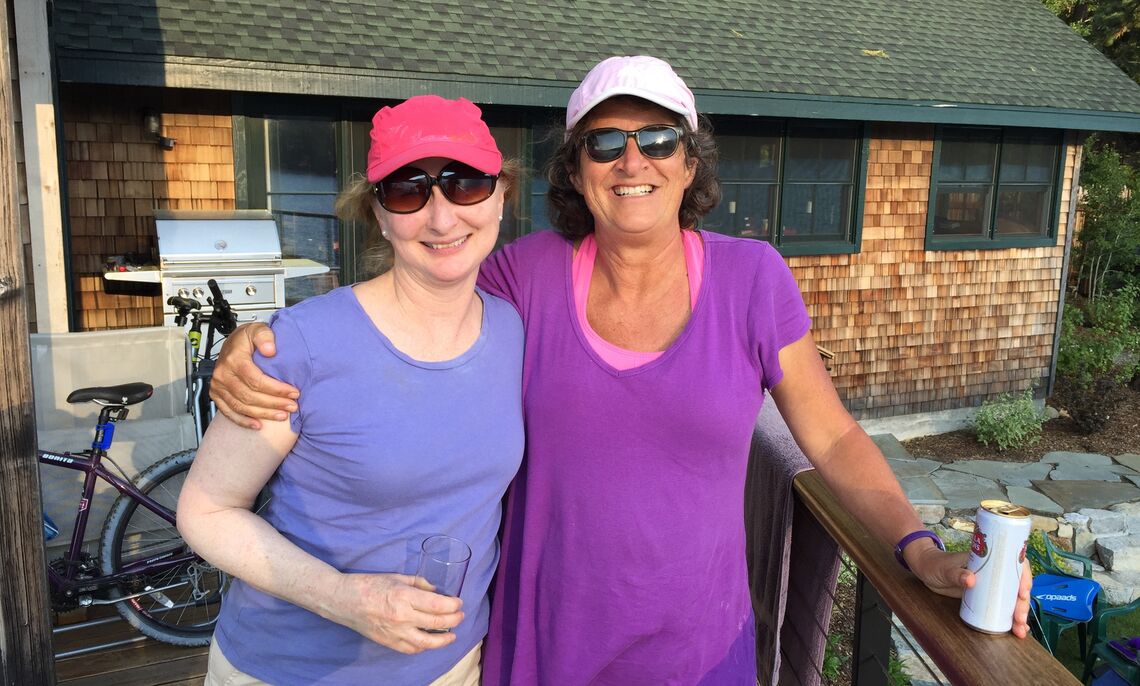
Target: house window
{"points": [[993, 188], [301, 187], [289, 166], [797, 186]]}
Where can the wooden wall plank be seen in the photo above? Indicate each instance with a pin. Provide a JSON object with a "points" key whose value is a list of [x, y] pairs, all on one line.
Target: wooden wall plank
{"points": [[25, 627]]}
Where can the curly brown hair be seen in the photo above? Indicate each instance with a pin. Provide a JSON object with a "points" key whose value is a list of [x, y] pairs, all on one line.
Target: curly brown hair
{"points": [[567, 208], [354, 204]]}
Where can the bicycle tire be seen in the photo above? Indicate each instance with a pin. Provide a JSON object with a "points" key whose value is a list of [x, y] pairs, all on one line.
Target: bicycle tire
{"points": [[132, 532]]}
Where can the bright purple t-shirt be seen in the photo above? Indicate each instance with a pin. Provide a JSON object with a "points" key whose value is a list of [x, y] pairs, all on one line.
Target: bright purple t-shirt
{"points": [[623, 548]]}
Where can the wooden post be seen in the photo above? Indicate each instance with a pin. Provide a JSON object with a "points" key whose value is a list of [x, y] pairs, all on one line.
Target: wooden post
{"points": [[872, 648], [41, 164], [25, 626]]}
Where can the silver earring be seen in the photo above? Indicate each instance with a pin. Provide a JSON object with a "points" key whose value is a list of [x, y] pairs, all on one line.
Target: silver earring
{"points": [[384, 234]]}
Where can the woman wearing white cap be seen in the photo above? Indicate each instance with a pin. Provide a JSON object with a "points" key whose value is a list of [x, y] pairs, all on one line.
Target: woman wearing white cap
{"points": [[410, 425], [649, 348]]}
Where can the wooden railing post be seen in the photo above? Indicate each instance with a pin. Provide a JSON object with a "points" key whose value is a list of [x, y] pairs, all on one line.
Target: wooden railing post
{"points": [[25, 627], [872, 647]]}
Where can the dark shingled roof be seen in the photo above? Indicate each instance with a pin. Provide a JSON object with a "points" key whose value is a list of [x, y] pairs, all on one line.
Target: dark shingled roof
{"points": [[885, 59]]}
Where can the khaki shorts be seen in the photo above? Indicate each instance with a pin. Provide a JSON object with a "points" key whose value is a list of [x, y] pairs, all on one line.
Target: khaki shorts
{"points": [[222, 673]]}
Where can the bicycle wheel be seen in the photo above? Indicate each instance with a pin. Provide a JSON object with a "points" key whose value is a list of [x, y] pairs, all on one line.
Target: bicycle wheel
{"points": [[179, 605]]}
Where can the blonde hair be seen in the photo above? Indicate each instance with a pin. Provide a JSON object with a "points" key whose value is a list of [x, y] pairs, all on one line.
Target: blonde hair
{"points": [[354, 204]]}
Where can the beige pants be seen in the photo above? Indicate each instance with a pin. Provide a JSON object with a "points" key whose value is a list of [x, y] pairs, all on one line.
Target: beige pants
{"points": [[222, 673]]}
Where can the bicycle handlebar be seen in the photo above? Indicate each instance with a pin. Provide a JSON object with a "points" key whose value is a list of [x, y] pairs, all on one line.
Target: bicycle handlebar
{"points": [[223, 317], [184, 307]]}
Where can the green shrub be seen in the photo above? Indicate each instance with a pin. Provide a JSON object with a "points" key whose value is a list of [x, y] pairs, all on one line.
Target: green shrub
{"points": [[833, 660], [1099, 354], [1037, 543], [962, 546], [896, 674], [1011, 421], [1103, 345]]}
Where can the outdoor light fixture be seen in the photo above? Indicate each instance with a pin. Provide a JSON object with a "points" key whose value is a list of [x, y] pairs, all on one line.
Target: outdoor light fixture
{"points": [[152, 125]]}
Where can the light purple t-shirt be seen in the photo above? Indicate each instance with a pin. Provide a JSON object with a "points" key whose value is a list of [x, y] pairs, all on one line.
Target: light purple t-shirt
{"points": [[623, 549], [390, 450]]}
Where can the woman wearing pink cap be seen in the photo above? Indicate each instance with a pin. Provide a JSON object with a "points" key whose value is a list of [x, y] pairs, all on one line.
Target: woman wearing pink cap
{"points": [[649, 349], [409, 424]]}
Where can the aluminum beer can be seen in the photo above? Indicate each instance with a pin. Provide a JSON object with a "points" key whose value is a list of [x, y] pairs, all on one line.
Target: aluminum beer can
{"points": [[997, 552]]}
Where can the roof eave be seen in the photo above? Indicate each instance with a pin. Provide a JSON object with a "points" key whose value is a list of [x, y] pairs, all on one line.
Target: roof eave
{"points": [[262, 77]]}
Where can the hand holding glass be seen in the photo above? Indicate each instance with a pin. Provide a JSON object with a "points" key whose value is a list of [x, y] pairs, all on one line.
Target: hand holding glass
{"points": [[443, 564]]}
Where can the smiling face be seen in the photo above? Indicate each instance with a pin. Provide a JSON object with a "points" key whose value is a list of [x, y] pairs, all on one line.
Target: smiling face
{"points": [[633, 194], [442, 243]]}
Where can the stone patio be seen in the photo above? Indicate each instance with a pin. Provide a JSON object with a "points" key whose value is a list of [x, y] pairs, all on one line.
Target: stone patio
{"points": [[1089, 503]]}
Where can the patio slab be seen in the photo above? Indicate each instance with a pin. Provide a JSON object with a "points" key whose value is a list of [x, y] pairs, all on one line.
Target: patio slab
{"points": [[892, 448], [919, 466], [1064, 458], [1008, 473], [965, 491], [1130, 460], [921, 490], [1034, 500], [1067, 473], [1077, 495]]}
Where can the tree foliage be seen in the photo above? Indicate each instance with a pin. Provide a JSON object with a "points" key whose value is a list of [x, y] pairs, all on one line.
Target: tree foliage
{"points": [[1112, 26], [1107, 250]]}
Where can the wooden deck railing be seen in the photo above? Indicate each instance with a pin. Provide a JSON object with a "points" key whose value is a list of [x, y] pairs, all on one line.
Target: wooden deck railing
{"points": [[965, 656]]}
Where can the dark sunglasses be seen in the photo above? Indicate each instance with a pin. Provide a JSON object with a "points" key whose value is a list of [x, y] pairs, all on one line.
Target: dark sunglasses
{"points": [[408, 189], [656, 141]]}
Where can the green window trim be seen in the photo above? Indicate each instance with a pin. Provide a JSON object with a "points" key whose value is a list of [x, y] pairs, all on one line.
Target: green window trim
{"points": [[992, 240], [787, 245]]}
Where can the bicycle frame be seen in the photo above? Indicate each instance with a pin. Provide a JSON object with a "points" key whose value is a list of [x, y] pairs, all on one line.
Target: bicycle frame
{"points": [[90, 463]]}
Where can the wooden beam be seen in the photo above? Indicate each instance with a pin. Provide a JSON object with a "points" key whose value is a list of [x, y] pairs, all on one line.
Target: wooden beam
{"points": [[45, 206], [25, 626]]}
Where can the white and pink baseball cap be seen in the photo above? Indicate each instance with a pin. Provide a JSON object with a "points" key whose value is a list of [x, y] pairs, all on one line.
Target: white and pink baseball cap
{"points": [[642, 76]]}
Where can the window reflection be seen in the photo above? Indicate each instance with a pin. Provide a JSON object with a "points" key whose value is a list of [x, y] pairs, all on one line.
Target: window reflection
{"points": [[801, 181], [994, 182], [301, 188]]}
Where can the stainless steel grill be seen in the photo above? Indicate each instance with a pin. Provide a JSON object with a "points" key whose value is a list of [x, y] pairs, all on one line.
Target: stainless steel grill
{"points": [[240, 249]]}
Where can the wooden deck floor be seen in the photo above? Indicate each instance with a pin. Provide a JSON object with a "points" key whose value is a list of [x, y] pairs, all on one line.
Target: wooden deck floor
{"points": [[141, 663]]}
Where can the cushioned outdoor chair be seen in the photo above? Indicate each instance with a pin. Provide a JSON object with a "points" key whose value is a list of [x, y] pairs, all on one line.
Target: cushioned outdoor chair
{"points": [[1120, 653]]}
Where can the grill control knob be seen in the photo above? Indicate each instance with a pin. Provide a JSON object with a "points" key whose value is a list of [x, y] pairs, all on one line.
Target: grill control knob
{"points": [[198, 293], [183, 293], [251, 290]]}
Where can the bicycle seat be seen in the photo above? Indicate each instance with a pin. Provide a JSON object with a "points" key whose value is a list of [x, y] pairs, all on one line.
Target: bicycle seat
{"points": [[125, 394]]}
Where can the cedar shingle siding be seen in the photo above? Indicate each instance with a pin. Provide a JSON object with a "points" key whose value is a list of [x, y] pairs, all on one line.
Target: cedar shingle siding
{"points": [[916, 330], [116, 180]]}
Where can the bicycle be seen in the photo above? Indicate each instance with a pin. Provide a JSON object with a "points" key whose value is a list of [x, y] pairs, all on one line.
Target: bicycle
{"points": [[144, 568]]}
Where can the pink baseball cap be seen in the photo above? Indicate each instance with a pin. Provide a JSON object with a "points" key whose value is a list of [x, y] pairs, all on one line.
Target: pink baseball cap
{"points": [[431, 126], [642, 76]]}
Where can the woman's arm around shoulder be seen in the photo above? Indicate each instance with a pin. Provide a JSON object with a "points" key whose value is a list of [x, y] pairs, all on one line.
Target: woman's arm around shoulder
{"points": [[244, 393]]}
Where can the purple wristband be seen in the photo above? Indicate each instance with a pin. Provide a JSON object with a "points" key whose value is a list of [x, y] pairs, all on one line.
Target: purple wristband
{"points": [[911, 538]]}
